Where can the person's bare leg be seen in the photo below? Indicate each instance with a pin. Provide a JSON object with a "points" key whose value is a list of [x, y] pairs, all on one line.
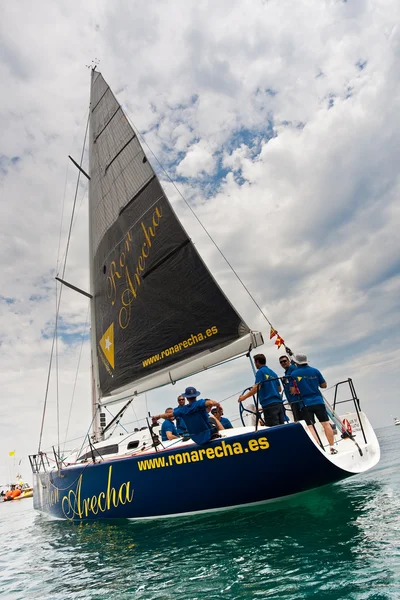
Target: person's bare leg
{"points": [[328, 432], [311, 428]]}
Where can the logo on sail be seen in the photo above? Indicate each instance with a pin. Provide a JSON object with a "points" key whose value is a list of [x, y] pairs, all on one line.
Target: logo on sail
{"points": [[107, 345]]}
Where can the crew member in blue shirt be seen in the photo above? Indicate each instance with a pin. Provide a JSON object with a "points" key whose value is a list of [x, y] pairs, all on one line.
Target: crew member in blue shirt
{"points": [[215, 423], [168, 429], [308, 381], [196, 416], [219, 414], [289, 366], [180, 423], [268, 387]]}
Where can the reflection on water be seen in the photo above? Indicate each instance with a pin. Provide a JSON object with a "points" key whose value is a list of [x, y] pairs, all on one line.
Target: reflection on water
{"points": [[341, 541]]}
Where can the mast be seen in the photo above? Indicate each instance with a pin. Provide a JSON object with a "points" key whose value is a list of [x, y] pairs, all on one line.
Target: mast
{"points": [[95, 370]]}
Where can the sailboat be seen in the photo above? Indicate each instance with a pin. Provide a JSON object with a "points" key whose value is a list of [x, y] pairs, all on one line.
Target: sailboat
{"points": [[18, 491], [396, 420], [158, 316]]}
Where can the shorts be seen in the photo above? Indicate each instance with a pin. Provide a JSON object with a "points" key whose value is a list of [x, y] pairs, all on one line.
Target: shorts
{"points": [[308, 413], [273, 414], [296, 410]]}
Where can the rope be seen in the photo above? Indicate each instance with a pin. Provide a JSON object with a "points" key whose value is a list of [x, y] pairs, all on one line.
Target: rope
{"points": [[117, 424], [60, 489], [62, 217], [57, 381], [87, 434], [57, 266], [231, 396], [200, 223], [65, 189], [59, 298], [76, 377]]}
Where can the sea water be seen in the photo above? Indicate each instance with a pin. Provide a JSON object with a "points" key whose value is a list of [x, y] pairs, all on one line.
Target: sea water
{"points": [[341, 541]]}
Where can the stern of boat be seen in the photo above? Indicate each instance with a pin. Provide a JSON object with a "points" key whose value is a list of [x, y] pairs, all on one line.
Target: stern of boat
{"points": [[357, 453]]}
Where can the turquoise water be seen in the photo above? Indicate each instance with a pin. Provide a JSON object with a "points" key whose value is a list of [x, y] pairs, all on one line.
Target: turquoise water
{"points": [[339, 542]]}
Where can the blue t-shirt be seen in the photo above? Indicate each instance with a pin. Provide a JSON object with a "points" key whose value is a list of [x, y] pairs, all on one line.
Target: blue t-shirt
{"points": [[168, 426], [196, 420], [269, 391], [287, 383], [226, 424], [308, 381], [180, 426]]}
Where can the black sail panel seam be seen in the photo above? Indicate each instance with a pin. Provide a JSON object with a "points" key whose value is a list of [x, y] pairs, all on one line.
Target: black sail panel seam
{"points": [[166, 257], [106, 125], [138, 194], [118, 153], [133, 224], [101, 98]]}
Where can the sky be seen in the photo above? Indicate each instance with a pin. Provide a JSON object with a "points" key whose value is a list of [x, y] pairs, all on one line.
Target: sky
{"points": [[279, 124]]}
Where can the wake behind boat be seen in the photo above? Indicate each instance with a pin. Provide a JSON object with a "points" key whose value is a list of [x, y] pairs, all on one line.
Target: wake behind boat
{"points": [[143, 336]]}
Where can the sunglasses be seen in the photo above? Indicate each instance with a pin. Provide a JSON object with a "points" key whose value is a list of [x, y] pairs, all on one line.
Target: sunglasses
{"points": [[283, 361]]}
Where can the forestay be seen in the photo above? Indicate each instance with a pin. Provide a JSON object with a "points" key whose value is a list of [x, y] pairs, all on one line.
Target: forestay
{"points": [[156, 305]]}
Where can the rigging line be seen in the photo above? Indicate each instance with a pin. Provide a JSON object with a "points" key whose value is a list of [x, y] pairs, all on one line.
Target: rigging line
{"points": [[48, 450], [116, 425], [201, 224], [134, 412], [62, 217], [76, 376], [75, 198], [57, 382], [181, 378], [59, 298], [70, 485], [47, 385], [235, 395], [76, 216], [63, 203], [232, 396], [137, 420], [87, 434]]}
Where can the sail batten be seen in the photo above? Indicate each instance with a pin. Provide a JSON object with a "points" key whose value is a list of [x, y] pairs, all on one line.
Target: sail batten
{"points": [[136, 195], [118, 153], [156, 304], [108, 122]]}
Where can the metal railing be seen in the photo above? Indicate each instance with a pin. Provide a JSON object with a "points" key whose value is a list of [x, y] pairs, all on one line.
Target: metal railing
{"points": [[299, 402], [353, 399], [39, 462]]}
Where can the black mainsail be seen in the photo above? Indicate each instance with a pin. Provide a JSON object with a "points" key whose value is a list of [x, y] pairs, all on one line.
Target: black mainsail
{"points": [[155, 304]]}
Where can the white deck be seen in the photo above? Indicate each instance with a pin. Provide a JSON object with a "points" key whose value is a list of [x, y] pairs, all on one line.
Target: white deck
{"points": [[348, 456]]}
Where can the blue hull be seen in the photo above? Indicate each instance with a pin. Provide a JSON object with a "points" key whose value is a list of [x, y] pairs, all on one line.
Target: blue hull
{"points": [[243, 469]]}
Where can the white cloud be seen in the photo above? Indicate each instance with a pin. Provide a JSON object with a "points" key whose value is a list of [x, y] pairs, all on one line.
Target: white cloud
{"points": [[198, 160]]}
